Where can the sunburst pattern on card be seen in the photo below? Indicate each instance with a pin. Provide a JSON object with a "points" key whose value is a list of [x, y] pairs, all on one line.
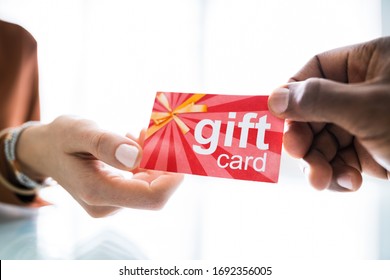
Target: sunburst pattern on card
{"points": [[229, 136]]}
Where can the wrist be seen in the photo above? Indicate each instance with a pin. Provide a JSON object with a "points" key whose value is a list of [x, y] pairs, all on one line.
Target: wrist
{"points": [[9, 183], [30, 151]]}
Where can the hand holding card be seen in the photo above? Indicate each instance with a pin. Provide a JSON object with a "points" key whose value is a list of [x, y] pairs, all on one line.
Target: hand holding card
{"points": [[230, 136]]}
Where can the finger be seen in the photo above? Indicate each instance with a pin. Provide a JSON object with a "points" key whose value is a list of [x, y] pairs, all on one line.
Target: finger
{"points": [[132, 193], [330, 141], [141, 138], [326, 144], [368, 164], [132, 137], [166, 184], [151, 196], [115, 150], [346, 170], [95, 185], [317, 170], [319, 100], [345, 178], [341, 136], [99, 211], [297, 138], [83, 184], [147, 175]]}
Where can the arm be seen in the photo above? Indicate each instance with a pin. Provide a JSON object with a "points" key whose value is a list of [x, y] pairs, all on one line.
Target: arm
{"points": [[19, 97]]}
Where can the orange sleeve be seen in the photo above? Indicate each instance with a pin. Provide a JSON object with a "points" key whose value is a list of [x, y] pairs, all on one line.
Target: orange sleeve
{"points": [[19, 97]]}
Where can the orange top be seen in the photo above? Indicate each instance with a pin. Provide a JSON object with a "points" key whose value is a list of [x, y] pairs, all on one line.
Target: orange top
{"points": [[19, 99]]}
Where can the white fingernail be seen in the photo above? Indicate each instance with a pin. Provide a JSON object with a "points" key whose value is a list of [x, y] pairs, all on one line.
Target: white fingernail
{"points": [[127, 155], [345, 182], [278, 101]]}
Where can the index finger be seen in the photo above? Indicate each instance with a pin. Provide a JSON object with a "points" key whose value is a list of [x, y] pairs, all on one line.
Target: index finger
{"points": [[149, 191]]}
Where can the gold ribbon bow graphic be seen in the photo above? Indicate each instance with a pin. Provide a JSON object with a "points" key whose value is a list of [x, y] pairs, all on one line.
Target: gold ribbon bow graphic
{"points": [[161, 119]]}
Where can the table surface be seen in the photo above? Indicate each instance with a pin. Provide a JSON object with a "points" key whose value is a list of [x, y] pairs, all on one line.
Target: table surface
{"points": [[208, 219]]}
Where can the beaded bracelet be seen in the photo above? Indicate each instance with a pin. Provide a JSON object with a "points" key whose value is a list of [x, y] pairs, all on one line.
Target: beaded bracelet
{"points": [[10, 141]]}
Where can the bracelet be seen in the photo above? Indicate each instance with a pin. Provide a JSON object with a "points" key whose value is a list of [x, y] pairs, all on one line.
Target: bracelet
{"points": [[16, 189], [10, 141]]}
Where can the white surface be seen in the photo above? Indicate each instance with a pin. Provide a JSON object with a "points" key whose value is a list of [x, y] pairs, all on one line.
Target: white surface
{"points": [[206, 219]]}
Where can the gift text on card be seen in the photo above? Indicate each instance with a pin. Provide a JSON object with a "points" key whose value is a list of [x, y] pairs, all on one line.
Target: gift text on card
{"points": [[230, 136]]}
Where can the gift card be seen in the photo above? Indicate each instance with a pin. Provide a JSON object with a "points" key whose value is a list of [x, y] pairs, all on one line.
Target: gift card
{"points": [[229, 136]]}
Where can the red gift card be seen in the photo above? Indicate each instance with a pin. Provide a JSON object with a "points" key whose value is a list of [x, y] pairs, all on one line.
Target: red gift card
{"points": [[230, 136]]}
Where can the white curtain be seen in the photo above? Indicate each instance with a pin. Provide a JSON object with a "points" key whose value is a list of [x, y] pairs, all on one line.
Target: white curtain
{"points": [[105, 60]]}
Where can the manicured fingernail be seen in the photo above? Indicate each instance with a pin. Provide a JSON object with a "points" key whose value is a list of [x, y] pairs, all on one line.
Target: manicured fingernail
{"points": [[278, 101], [127, 155], [345, 182]]}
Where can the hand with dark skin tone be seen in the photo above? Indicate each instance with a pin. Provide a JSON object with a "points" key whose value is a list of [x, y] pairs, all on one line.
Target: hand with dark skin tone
{"points": [[337, 111]]}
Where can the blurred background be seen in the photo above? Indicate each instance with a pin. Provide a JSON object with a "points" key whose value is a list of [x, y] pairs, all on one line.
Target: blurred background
{"points": [[105, 60]]}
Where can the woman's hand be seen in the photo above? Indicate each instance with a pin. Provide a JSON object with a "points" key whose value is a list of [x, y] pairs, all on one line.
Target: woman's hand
{"points": [[77, 154]]}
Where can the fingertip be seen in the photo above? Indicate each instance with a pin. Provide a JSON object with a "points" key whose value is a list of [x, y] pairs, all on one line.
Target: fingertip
{"points": [[319, 179], [278, 101], [346, 181], [179, 178], [318, 171], [163, 187], [116, 150], [128, 155], [346, 178], [142, 137], [131, 136]]}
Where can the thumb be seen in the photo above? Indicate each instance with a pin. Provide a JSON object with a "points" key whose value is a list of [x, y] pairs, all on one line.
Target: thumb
{"points": [[317, 100], [85, 137], [116, 150]]}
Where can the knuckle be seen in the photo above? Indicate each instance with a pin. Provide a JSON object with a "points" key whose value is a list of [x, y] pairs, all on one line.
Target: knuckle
{"points": [[308, 94], [97, 143], [310, 87]]}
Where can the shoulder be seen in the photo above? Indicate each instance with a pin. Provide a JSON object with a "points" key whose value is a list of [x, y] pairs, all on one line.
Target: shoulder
{"points": [[16, 37]]}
